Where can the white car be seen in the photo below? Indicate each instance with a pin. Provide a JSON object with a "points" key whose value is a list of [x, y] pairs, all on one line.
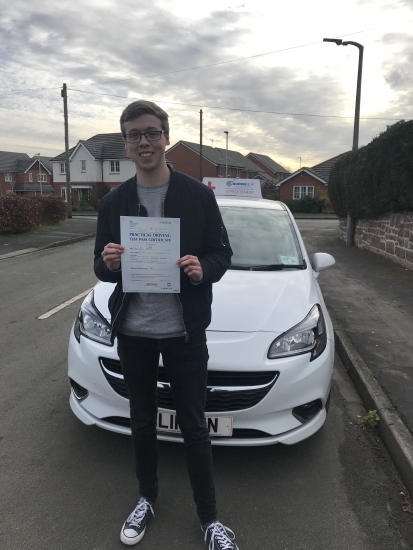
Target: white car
{"points": [[271, 341]]}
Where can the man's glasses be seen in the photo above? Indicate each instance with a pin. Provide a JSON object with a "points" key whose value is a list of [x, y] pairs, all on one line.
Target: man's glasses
{"points": [[135, 137]]}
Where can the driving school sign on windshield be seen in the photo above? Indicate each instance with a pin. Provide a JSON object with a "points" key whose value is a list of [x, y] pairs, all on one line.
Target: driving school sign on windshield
{"points": [[227, 187]]}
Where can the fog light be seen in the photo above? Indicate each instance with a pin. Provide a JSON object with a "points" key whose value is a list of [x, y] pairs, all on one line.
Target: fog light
{"points": [[78, 391], [306, 412]]}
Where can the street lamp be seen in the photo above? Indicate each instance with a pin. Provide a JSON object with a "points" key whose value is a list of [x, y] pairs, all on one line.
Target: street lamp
{"points": [[226, 157], [339, 42], [40, 174]]}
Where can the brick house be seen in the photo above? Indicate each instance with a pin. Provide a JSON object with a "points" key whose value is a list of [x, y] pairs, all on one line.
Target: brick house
{"points": [[269, 166], [100, 159], [308, 182], [185, 157], [25, 175]]}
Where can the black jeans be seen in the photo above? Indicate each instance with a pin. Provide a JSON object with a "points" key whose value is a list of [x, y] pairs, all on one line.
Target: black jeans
{"points": [[186, 366]]}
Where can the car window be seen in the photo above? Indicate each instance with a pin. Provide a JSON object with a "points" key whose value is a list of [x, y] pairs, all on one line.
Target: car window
{"points": [[261, 236]]}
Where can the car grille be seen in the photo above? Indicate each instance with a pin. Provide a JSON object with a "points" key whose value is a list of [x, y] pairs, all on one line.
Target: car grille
{"points": [[226, 391]]}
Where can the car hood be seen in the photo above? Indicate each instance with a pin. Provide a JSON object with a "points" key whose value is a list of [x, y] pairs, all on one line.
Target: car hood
{"points": [[250, 301]]}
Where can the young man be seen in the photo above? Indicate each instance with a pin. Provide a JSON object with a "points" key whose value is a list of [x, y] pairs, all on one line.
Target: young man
{"points": [[173, 325]]}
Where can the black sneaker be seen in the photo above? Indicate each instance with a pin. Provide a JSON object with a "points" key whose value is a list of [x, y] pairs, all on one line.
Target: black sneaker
{"points": [[134, 527], [219, 537]]}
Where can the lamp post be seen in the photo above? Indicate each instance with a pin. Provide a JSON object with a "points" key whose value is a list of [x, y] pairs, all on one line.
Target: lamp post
{"points": [[339, 42], [226, 157], [40, 174]]}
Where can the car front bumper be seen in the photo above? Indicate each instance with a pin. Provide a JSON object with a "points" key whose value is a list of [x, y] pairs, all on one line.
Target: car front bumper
{"points": [[300, 381]]}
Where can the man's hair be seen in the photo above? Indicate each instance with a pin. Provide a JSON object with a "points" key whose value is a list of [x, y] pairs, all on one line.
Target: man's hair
{"points": [[142, 107]]}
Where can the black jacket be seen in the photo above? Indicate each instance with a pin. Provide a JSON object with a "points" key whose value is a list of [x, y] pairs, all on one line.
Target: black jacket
{"points": [[203, 234]]}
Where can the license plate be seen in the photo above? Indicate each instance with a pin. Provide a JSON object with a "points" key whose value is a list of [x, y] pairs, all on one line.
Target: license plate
{"points": [[217, 425]]}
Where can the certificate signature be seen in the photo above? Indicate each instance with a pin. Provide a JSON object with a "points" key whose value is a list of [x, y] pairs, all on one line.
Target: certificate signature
{"points": [[152, 247]]}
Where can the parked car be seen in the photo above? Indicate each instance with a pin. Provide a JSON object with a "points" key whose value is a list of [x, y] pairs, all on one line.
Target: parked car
{"points": [[271, 341]]}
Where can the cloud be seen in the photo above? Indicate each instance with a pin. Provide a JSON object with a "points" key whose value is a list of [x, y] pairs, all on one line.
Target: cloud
{"points": [[99, 48], [398, 69], [107, 42], [398, 73]]}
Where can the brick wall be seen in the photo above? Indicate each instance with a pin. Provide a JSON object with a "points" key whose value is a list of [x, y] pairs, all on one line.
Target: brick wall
{"points": [[390, 235]]}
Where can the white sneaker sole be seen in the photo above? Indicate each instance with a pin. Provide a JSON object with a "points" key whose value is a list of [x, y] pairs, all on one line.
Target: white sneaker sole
{"points": [[131, 541]]}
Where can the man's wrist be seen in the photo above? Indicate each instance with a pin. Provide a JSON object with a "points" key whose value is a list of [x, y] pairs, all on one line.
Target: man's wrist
{"points": [[114, 270]]}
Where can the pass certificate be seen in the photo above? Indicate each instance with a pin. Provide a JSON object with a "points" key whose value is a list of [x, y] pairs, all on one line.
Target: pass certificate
{"points": [[152, 248]]}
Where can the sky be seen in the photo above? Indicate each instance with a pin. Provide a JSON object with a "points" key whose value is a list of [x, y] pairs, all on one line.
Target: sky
{"points": [[258, 70]]}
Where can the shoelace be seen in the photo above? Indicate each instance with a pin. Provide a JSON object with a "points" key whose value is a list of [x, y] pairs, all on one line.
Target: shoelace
{"points": [[223, 535], [140, 512]]}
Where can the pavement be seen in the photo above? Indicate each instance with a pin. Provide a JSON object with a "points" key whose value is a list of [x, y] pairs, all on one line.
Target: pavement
{"points": [[370, 300], [72, 230]]}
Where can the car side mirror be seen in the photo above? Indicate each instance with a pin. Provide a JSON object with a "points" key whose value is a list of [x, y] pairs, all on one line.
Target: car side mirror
{"points": [[321, 261]]}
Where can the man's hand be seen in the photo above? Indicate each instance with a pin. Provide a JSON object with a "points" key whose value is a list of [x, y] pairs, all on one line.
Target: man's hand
{"points": [[192, 267], [112, 255]]}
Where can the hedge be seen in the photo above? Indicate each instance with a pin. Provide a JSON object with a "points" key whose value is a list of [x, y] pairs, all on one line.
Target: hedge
{"points": [[307, 205], [18, 214], [378, 178]]}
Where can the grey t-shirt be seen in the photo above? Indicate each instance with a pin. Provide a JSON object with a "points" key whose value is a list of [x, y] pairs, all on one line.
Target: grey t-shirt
{"points": [[153, 315]]}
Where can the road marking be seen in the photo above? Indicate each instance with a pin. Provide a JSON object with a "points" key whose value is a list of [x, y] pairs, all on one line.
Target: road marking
{"points": [[65, 304]]}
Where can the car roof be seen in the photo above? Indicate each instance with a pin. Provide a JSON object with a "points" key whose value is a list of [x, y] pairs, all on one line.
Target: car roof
{"points": [[250, 203]]}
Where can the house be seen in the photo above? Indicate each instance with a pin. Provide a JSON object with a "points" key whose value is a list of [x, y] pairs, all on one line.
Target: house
{"points": [[185, 157], [308, 182], [25, 175], [269, 166], [100, 159]]}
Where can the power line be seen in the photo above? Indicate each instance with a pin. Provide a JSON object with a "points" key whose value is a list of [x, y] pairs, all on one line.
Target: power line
{"points": [[211, 64], [26, 90], [235, 109], [244, 58], [224, 62]]}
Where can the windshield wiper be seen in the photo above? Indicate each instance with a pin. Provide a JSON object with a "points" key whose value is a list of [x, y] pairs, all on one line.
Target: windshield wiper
{"points": [[270, 267]]}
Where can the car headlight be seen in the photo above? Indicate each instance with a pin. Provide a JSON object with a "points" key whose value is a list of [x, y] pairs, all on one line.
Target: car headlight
{"points": [[91, 324], [308, 336]]}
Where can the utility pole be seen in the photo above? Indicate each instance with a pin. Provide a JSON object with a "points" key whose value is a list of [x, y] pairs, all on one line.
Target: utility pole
{"points": [[40, 174], [68, 189], [226, 156], [200, 145]]}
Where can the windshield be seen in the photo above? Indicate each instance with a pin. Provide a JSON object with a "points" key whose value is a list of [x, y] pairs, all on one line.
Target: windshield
{"points": [[261, 237]]}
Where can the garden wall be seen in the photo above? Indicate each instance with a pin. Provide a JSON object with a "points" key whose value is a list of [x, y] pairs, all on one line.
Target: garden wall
{"points": [[390, 235]]}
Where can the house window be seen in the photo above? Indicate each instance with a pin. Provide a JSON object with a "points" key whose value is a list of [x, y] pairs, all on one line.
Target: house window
{"points": [[303, 191], [30, 177], [63, 193], [229, 173], [63, 168], [114, 167], [221, 170], [7, 176], [42, 178], [238, 172], [83, 166]]}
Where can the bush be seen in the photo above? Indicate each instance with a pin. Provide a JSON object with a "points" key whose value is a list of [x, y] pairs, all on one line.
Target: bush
{"points": [[84, 205], [306, 205], [53, 209], [273, 196], [98, 192], [378, 178], [18, 214]]}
